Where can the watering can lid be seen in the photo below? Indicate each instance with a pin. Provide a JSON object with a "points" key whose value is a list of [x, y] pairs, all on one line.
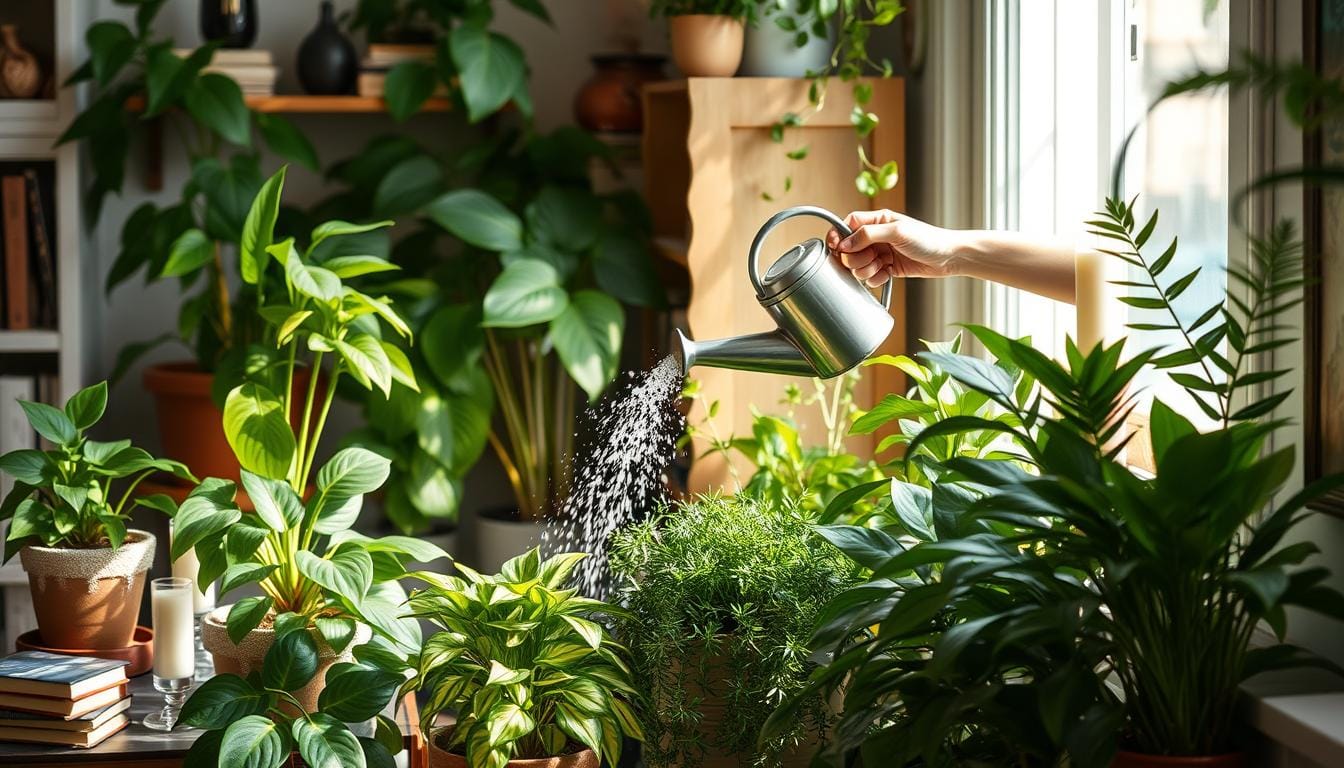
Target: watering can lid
{"points": [[793, 266]]}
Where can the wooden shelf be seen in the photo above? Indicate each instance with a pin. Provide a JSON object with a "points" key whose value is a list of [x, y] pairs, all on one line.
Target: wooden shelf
{"points": [[297, 104], [30, 341]]}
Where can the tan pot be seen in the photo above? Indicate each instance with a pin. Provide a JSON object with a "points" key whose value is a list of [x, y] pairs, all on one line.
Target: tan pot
{"points": [[705, 45], [442, 758], [245, 657], [1125, 759], [89, 598]]}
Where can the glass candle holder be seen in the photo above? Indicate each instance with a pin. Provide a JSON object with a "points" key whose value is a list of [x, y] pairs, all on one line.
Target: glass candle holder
{"points": [[174, 647]]}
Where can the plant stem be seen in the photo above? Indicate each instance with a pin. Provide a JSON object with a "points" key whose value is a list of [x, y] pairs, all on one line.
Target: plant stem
{"points": [[296, 482]]}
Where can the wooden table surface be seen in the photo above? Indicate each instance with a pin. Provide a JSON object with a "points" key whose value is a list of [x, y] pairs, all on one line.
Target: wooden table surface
{"points": [[139, 747]]}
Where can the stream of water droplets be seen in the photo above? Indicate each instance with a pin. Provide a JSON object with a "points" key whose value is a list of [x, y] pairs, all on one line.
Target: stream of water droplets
{"points": [[618, 475]]}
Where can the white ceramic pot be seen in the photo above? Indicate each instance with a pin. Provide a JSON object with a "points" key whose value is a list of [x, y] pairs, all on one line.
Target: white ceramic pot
{"points": [[490, 541], [771, 52]]}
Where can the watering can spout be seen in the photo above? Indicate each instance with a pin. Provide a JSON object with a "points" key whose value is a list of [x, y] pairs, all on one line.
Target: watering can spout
{"points": [[770, 352]]}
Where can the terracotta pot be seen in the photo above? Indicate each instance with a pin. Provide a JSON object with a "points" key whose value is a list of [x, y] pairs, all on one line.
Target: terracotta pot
{"points": [[191, 428], [705, 45], [1125, 759], [89, 598], [245, 657], [20, 74], [442, 758], [610, 100]]}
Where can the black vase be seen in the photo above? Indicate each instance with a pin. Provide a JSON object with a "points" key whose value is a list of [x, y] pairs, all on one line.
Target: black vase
{"points": [[231, 22], [328, 64]]}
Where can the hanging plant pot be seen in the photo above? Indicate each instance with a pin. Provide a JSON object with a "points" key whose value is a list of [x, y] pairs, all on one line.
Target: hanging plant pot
{"points": [[1125, 759], [89, 598], [706, 45]]}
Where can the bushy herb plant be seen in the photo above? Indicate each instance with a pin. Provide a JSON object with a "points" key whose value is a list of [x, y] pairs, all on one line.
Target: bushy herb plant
{"points": [[63, 497], [721, 594], [524, 664]]}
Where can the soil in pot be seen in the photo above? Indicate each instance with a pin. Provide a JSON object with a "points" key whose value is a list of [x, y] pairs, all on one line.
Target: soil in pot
{"points": [[191, 428], [247, 656], [89, 598], [439, 757], [705, 45], [1125, 759]]}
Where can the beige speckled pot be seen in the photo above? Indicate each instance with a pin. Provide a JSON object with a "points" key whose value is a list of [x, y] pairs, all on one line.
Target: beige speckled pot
{"points": [[442, 758], [706, 45], [243, 658], [88, 598]]}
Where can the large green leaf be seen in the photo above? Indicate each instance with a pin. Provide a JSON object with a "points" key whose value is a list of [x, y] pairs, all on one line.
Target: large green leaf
{"points": [[239, 574], [216, 101], [86, 406], [407, 87], [409, 185], [255, 425], [167, 77], [255, 741], [478, 219], [111, 46], [352, 472], [624, 268], [453, 428], [229, 192], [354, 693], [431, 489], [27, 465], [333, 514], [49, 422], [287, 141], [567, 218], [337, 631], [587, 336], [246, 615], [324, 742], [259, 228], [190, 251], [207, 510], [291, 661], [451, 343], [527, 292], [349, 572], [221, 700], [490, 68], [366, 359], [274, 501]]}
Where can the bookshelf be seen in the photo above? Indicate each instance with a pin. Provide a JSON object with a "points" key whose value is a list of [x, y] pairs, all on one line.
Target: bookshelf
{"points": [[28, 130]]}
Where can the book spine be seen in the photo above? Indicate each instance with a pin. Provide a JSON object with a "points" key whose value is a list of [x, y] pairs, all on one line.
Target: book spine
{"points": [[13, 200], [14, 430], [46, 265]]}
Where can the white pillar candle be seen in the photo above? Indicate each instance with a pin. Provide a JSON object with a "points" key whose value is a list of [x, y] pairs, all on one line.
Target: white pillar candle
{"points": [[188, 567], [1089, 285], [174, 628]]}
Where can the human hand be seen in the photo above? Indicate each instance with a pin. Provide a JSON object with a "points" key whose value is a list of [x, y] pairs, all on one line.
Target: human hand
{"points": [[889, 244]]}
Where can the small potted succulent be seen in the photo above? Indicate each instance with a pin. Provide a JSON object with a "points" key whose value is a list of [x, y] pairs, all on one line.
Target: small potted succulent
{"points": [[706, 35], [533, 677], [296, 543], [721, 595], [86, 569]]}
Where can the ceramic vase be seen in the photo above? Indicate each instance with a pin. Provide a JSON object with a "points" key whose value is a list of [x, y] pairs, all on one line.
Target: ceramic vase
{"points": [[610, 100], [328, 64], [706, 45], [233, 23], [773, 52], [20, 74]]}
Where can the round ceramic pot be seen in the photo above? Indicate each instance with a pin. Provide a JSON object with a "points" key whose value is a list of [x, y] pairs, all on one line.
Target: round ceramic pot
{"points": [[492, 539], [706, 45], [89, 598], [1125, 759], [771, 52], [610, 100], [245, 657], [442, 758], [191, 428]]}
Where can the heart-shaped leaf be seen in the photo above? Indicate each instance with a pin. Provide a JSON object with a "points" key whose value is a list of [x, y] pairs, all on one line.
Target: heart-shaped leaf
{"points": [[356, 693], [274, 501], [86, 406], [217, 101], [190, 251], [325, 742], [527, 292], [221, 700], [244, 573], [291, 662], [587, 336], [490, 68], [353, 472], [349, 572], [337, 631], [478, 219], [49, 422], [255, 741], [258, 432]]}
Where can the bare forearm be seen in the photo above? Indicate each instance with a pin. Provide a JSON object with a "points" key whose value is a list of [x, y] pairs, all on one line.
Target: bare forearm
{"points": [[1041, 266]]}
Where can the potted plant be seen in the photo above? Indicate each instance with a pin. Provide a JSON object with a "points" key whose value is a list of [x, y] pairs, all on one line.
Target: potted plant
{"points": [[296, 543], [706, 35], [142, 85], [86, 570], [523, 662], [721, 595], [1161, 579], [789, 39]]}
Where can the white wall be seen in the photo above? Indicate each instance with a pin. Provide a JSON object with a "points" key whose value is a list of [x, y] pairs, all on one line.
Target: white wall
{"points": [[559, 59]]}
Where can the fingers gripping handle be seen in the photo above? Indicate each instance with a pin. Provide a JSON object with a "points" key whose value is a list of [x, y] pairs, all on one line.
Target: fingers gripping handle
{"points": [[754, 255]]}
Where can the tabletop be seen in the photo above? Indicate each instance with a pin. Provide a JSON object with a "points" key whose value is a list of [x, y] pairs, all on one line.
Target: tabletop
{"points": [[139, 746]]}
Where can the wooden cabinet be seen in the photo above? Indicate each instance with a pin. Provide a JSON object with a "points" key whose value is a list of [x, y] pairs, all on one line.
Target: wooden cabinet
{"points": [[709, 163]]}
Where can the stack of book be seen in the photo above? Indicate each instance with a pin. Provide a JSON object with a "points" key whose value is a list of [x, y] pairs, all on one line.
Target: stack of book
{"points": [[253, 69], [380, 60], [50, 698], [29, 295]]}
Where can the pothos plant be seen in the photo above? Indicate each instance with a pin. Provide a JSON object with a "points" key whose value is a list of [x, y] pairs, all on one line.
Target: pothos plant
{"points": [[318, 577], [482, 69], [853, 22], [520, 273], [210, 119], [63, 497]]}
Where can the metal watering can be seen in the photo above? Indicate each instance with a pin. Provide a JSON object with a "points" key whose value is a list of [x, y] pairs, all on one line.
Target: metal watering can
{"points": [[828, 321]]}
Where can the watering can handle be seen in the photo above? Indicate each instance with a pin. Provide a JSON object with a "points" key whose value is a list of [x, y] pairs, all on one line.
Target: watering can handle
{"points": [[754, 255]]}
